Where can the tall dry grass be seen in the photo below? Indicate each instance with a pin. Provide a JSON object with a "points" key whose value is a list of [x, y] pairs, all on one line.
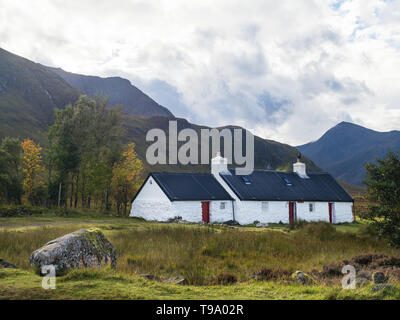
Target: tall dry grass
{"points": [[201, 253]]}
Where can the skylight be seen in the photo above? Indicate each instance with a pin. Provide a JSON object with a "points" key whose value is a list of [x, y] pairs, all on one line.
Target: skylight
{"points": [[287, 181], [246, 180]]}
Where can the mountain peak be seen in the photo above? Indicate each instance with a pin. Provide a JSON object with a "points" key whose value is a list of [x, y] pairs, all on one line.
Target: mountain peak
{"points": [[345, 148]]}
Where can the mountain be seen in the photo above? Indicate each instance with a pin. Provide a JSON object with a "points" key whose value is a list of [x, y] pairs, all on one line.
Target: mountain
{"points": [[118, 90], [29, 93], [344, 149], [268, 154]]}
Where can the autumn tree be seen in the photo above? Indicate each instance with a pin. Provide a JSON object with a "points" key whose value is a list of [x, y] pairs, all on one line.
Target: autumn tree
{"points": [[126, 178], [32, 168]]}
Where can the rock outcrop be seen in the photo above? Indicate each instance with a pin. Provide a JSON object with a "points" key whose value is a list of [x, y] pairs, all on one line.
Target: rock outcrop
{"points": [[303, 278], [177, 280], [84, 248]]}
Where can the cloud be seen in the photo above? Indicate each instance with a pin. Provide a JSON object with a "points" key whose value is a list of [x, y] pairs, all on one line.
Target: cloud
{"points": [[288, 69]]}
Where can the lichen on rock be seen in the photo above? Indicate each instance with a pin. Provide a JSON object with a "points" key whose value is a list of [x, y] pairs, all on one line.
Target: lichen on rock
{"points": [[85, 248]]}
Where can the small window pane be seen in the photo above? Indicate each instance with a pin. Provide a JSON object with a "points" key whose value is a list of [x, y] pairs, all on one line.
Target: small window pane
{"points": [[223, 205], [264, 206], [311, 207]]}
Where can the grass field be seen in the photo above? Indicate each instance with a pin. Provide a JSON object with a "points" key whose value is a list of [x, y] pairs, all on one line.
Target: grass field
{"points": [[198, 253]]}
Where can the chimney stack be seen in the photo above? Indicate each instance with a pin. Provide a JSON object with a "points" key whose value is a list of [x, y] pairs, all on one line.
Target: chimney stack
{"points": [[300, 167], [219, 165]]}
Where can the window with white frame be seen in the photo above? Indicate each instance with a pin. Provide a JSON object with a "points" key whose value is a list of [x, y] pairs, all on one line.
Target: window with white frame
{"points": [[222, 205], [264, 206], [311, 207]]}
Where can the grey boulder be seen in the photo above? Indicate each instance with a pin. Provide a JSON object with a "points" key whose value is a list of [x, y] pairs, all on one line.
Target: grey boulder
{"points": [[85, 248], [177, 280]]}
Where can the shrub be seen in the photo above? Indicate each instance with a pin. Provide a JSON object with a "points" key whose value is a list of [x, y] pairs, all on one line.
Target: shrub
{"points": [[369, 230], [267, 274], [320, 230], [19, 211], [225, 279], [297, 224], [332, 270]]}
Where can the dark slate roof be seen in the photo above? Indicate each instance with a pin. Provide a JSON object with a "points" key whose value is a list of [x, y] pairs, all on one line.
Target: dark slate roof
{"points": [[190, 186], [270, 185]]}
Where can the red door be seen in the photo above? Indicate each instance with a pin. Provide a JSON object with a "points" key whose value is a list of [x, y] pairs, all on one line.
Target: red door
{"points": [[292, 212], [205, 211], [330, 212]]}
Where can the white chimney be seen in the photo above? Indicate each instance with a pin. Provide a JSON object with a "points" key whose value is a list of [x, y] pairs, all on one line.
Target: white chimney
{"points": [[219, 165], [300, 168]]}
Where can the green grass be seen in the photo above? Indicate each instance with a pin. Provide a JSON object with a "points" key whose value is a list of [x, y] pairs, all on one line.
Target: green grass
{"points": [[199, 253], [105, 284]]}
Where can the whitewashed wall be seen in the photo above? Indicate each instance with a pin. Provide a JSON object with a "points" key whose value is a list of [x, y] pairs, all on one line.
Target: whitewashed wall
{"points": [[152, 204], [247, 212], [221, 215], [191, 211], [320, 212], [343, 212]]}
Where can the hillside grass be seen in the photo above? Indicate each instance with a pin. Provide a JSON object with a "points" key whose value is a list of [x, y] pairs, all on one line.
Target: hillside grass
{"points": [[198, 253]]}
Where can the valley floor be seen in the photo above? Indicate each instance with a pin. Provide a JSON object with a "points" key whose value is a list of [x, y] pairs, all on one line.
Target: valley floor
{"points": [[94, 285], [197, 253]]}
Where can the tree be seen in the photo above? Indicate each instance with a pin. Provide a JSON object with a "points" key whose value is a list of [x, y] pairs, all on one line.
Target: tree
{"points": [[126, 178], [33, 169], [383, 183], [10, 170], [85, 142]]}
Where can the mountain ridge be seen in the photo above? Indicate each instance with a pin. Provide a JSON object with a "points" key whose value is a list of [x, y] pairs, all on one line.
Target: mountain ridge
{"points": [[28, 119], [118, 90], [344, 149], [28, 94]]}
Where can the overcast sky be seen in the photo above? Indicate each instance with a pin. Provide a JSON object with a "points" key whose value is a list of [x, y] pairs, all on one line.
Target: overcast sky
{"points": [[288, 69]]}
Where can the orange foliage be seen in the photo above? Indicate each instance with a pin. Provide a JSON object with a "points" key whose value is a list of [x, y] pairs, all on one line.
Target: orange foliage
{"points": [[32, 166]]}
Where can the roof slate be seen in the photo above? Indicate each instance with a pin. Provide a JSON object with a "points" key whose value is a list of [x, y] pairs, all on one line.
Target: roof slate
{"points": [[268, 185], [190, 186]]}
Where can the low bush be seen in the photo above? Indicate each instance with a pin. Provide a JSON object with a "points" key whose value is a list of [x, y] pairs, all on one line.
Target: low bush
{"points": [[225, 279], [321, 230], [297, 224], [19, 211], [267, 274]]}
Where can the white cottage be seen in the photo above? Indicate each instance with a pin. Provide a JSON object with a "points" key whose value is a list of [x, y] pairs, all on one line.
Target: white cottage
{"points": [[266, 196]]}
